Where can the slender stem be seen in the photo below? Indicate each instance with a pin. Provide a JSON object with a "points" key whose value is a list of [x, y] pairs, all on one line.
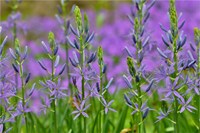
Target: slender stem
{"points": [[82, 73], [14, 38], [67, 67], [53, 104], [82, 65], [176, 127], [140, 104], [23, 95], [101, 91]]}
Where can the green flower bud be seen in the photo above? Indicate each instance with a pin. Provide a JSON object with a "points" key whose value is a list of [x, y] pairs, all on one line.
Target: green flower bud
{"points": [[136, 25], [17, 46], [131, 66], [100, 55], [173, 18], [197, 35], [78, 18], [86, 23], [51, 40], [17, 43]]}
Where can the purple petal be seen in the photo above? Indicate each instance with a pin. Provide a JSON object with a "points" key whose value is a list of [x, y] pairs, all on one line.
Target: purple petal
{"points": [[191, 107], [196, 90], [85, 114], [111, 109], [76, 105], [178, 95], [189, 100], [182, 109], [86, 107], [77, 116], [168, 94], [106, 110], [1, 128], [104, 101], [110, 102], [175, 82], [82, 104], [143, 105], [133, 112], [75, 112], [136, 105]]}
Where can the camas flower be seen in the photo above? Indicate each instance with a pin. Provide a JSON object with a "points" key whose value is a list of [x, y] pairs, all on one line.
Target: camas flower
{"points": [[172, 87], [185, 105], [163, 115], [107, 105], [80, 109]]}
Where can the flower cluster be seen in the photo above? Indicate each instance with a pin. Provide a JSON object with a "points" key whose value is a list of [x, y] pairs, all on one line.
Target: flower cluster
{"points": [[136, 96], [76, 78]]}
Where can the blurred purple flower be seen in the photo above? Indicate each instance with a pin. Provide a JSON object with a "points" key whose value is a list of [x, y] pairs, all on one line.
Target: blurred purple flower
{"points": [[185, 105], [80, 109], [172, 87], [163, 115], [107, 105]]}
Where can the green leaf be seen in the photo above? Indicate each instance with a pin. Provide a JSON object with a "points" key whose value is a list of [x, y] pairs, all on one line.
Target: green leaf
{"points": [[122, 119], [95, 122]]}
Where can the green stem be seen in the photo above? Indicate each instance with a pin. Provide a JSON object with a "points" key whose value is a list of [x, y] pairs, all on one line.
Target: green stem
{"points": [[140, 104], [23, 95], [176, 127], [101, 91], [53, 104], [83, 78], [14, 38]]}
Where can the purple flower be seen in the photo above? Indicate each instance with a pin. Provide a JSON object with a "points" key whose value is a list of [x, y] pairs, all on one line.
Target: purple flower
{"points": [[1, 128], [172, 87], [80, 109], [46, 104], [193, 84], [107, 105], [136, 108], [185, 105], [54, 88], [163, 115], [93, 90]]}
